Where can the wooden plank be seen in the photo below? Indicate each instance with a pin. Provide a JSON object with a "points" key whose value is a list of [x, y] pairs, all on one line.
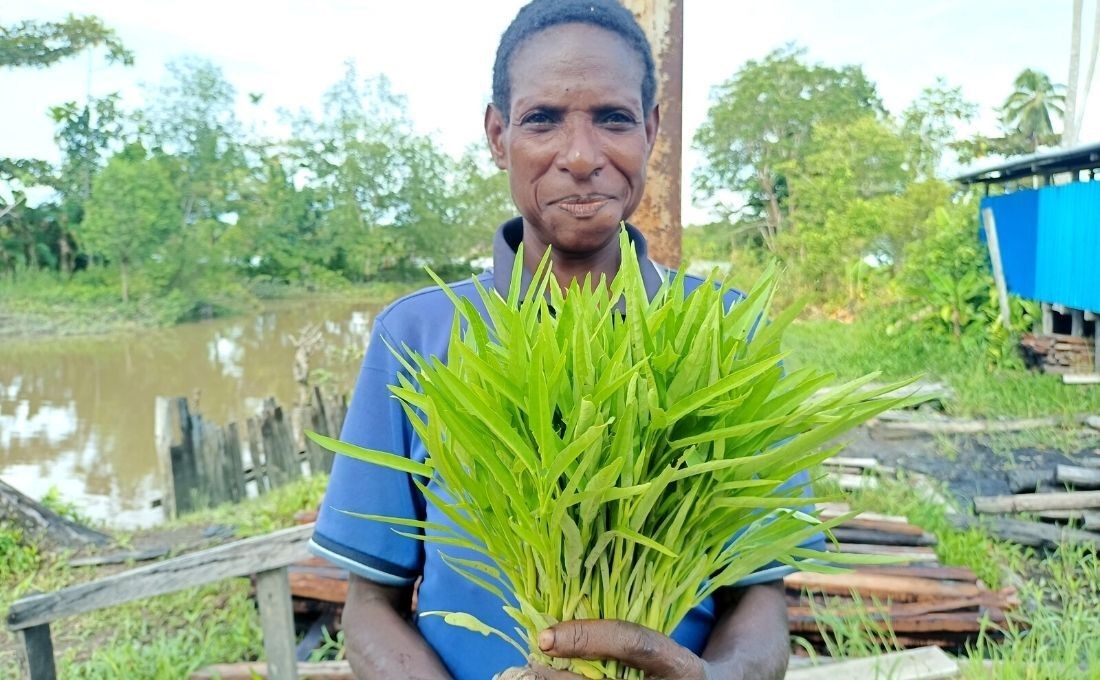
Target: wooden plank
{"points": [[36, 659], [926, 663], [239, 558], [233, 465], [318, 587], [894, 610], [911, 554], [162, 434], [895, 588], [277, 621], [849, 482], [319, 670], [1036, 534], [256, 453], [945, 426], [943, 622], [1088, 519], [1077, 476], [1081, 378], [1073, 500], [993, 242], [885, 526], [185, 473], [922, 571], [872, 536]]}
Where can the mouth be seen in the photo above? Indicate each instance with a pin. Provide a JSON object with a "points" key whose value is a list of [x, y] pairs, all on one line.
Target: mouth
{"points": [[583, 206]]}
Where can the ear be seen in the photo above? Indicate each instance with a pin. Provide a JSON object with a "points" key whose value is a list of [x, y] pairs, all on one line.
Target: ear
{"points": [[495, 130], [652, 123]]}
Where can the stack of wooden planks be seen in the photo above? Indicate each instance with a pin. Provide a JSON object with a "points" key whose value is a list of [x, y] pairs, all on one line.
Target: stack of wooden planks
{"points": [[1058, 353], [921, 602], [1060, 503]]}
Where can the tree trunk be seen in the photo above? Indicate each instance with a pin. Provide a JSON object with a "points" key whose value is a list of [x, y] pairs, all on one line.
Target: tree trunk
{"points": [[774, 215], [44, 525], [1069, 119], [125, 282]]}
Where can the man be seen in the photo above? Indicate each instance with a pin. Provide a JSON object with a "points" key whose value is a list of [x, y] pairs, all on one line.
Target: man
{"points": [[573, 121]]}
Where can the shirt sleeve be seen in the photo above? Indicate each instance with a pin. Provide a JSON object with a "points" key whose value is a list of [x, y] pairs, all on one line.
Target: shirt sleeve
{"points": [[375, 420]]}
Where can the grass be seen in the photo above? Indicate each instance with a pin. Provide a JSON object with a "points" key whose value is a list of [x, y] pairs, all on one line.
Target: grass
{"points": [[43, 303], [164, 637], [981, 390]]}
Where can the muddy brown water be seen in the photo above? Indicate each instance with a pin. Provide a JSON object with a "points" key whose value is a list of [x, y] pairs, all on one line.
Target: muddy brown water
{"points": [[77, 413]]}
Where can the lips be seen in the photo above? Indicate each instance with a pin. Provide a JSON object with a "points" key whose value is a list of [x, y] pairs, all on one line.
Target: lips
{"points": [[583, 206]]}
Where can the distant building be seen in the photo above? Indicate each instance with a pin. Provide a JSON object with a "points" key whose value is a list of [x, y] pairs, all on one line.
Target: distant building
{"points": [[1045, 230]]}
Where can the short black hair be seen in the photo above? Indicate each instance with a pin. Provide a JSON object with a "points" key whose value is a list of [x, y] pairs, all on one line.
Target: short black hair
{"points": [[539, 15]]}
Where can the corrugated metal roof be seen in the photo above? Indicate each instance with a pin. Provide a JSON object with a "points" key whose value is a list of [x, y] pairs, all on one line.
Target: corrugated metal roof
{"points": [[1083, 157]]}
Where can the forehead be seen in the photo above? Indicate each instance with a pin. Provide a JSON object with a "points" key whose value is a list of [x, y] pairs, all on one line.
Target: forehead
{"points": [[570, 57]]}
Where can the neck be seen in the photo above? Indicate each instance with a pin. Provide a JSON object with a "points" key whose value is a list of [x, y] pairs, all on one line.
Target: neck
{"points": [[568, 267]]}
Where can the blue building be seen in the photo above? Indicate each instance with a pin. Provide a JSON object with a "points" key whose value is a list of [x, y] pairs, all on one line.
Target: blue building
{"points": [[1041, 219]]}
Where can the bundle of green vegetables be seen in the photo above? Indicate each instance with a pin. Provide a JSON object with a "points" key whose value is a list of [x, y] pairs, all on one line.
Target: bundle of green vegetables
{"points": [[602, 448]]}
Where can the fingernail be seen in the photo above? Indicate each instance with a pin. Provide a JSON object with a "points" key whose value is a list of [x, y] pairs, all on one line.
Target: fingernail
{"points": [[546, 640]]}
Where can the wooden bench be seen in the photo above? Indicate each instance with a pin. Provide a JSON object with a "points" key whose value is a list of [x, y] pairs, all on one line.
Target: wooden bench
{"points": [[267, 557]]}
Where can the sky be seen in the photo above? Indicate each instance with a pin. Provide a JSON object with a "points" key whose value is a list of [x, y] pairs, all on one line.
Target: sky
{"points": [[439, 54]]}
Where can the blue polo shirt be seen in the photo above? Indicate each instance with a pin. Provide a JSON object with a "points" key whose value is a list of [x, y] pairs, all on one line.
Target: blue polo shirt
{"points": [[422, 322]]}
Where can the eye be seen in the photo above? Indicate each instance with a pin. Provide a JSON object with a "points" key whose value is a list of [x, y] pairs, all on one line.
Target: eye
{"points": [[619, 120], [538, 119]]}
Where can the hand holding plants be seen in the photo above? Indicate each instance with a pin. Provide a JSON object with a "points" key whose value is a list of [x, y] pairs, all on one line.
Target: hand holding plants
{"points": [[638, 647]]}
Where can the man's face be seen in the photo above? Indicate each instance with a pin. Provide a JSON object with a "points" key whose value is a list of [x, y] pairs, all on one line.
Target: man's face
{"points": [[578, 139]]}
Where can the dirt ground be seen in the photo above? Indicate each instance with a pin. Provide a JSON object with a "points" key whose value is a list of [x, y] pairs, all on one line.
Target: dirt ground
{"points": [[971, 469]]}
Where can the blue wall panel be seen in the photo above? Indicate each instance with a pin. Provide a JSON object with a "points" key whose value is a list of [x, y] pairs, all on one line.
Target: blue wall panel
{"points": [[1017, 216], [1067, 253]]}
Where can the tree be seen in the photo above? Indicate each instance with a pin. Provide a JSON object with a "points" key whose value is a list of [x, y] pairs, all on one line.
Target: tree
{"points": [[40, 44], [1030, 110], [133, 209], [761, 120], [192, 125], [928, 125]]}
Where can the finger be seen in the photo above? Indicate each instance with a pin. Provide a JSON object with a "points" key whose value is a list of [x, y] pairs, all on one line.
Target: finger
{"points": [[637, 646]]}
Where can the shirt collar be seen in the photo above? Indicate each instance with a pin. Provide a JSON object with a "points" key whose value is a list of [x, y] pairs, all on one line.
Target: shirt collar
{"points": [[510, 235]]}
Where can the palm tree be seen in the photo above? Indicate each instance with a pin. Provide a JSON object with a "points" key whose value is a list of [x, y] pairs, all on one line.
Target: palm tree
{"points": [[1029, 110]]}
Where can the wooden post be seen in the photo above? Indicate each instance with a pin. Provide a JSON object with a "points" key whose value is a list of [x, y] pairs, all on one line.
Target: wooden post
{"points": [[658, 216], [258, 456], [277, 621], [37, 656], [1048, 318], [162, 435], [998, 270], [232, 465], [1077, 323]]}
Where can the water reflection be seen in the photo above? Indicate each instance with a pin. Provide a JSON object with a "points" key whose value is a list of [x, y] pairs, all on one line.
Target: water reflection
{"points": [[77, 414]]}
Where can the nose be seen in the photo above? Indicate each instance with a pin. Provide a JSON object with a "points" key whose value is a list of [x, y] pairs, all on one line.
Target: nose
{"points": [[581, 154]]}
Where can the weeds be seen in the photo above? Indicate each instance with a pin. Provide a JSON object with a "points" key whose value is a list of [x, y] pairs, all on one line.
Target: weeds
{"points": [[165, 637]]}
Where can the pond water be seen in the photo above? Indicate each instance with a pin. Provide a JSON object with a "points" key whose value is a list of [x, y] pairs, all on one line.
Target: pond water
{"points": [[77, 413]]}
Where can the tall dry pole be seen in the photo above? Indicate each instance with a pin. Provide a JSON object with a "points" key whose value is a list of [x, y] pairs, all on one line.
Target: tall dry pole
{"points": [[658, 216]]}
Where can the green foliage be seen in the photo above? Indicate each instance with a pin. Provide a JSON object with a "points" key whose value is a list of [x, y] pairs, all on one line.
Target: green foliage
{"points": [[981, 389], [1053, 636], [638, 445], [1030, 109], [66, 509], [133, 210], [17, 558], [761, 121], [950, 290], [42, 43]]}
